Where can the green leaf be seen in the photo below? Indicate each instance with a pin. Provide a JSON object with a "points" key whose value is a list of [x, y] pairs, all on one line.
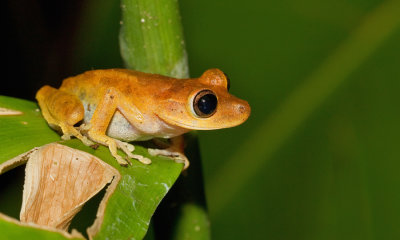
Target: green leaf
{"points": [[21, 133], [12, 230]]}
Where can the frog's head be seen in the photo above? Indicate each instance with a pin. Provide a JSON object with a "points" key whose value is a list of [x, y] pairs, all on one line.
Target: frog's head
{"points": [[203, 103]]}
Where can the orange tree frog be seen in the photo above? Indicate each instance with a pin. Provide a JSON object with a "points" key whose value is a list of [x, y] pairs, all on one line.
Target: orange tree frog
{"points": [[116, 106]]}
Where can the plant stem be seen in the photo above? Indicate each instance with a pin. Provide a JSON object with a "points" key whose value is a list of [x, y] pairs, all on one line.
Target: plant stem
{"points": [[151, 40], [151, 37]]}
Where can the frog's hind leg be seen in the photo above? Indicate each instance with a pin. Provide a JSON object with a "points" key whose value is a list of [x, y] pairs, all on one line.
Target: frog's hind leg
{"points": [[174, 151], [62, 110]]}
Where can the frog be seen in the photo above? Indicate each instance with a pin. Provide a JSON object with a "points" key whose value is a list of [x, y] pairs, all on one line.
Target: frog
{"points": [[114, 107]]}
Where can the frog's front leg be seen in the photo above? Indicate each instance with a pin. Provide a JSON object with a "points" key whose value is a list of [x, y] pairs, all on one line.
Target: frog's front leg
{"points": [[174, 151], [100, 121]]}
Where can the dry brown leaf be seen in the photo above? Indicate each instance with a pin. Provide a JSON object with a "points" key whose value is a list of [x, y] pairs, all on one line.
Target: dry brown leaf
{"points": [[58, 181]]}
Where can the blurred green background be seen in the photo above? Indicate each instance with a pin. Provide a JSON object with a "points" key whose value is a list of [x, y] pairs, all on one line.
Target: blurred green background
{"points": [[319, 157]]}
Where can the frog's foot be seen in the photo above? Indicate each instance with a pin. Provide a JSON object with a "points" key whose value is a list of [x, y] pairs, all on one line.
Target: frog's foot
{"points": [[69, 131], [176, 156], [114, 145], [128, 149]]}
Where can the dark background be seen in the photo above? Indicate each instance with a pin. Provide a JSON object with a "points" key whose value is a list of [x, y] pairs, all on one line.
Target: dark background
{"points": [[323, 166]]}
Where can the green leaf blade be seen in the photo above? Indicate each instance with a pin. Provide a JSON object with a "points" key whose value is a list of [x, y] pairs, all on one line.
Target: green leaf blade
{"points": [[21, 133]]}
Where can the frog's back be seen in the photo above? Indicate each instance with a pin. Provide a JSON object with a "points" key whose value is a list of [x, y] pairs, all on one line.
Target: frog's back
{"points": [[91, 83], [97, 78]]}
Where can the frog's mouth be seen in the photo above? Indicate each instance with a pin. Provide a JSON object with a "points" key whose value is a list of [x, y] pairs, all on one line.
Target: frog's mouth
{"points": [[194, 126]]}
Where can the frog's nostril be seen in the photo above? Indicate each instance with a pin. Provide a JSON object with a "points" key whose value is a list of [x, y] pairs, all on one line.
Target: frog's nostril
{"points": [[244, 110], [241, 109]]}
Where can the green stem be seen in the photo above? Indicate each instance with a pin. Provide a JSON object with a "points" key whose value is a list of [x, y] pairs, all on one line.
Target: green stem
{"points": [[151, 40], [151, 37]]}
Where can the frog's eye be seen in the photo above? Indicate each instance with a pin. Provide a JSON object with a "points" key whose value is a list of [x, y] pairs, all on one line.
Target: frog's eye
{"points": [[205, 103]]}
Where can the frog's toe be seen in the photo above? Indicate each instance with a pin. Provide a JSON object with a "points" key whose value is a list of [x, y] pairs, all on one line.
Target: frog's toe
{"points": [[182, 159], [66, 137], [146, 160], [129, 147], [140, 158], [125, 147], [87, 142], [122, 161]]}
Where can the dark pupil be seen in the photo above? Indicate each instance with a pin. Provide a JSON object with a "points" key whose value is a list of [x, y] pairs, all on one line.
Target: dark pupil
{"points": [[207, 103]]}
